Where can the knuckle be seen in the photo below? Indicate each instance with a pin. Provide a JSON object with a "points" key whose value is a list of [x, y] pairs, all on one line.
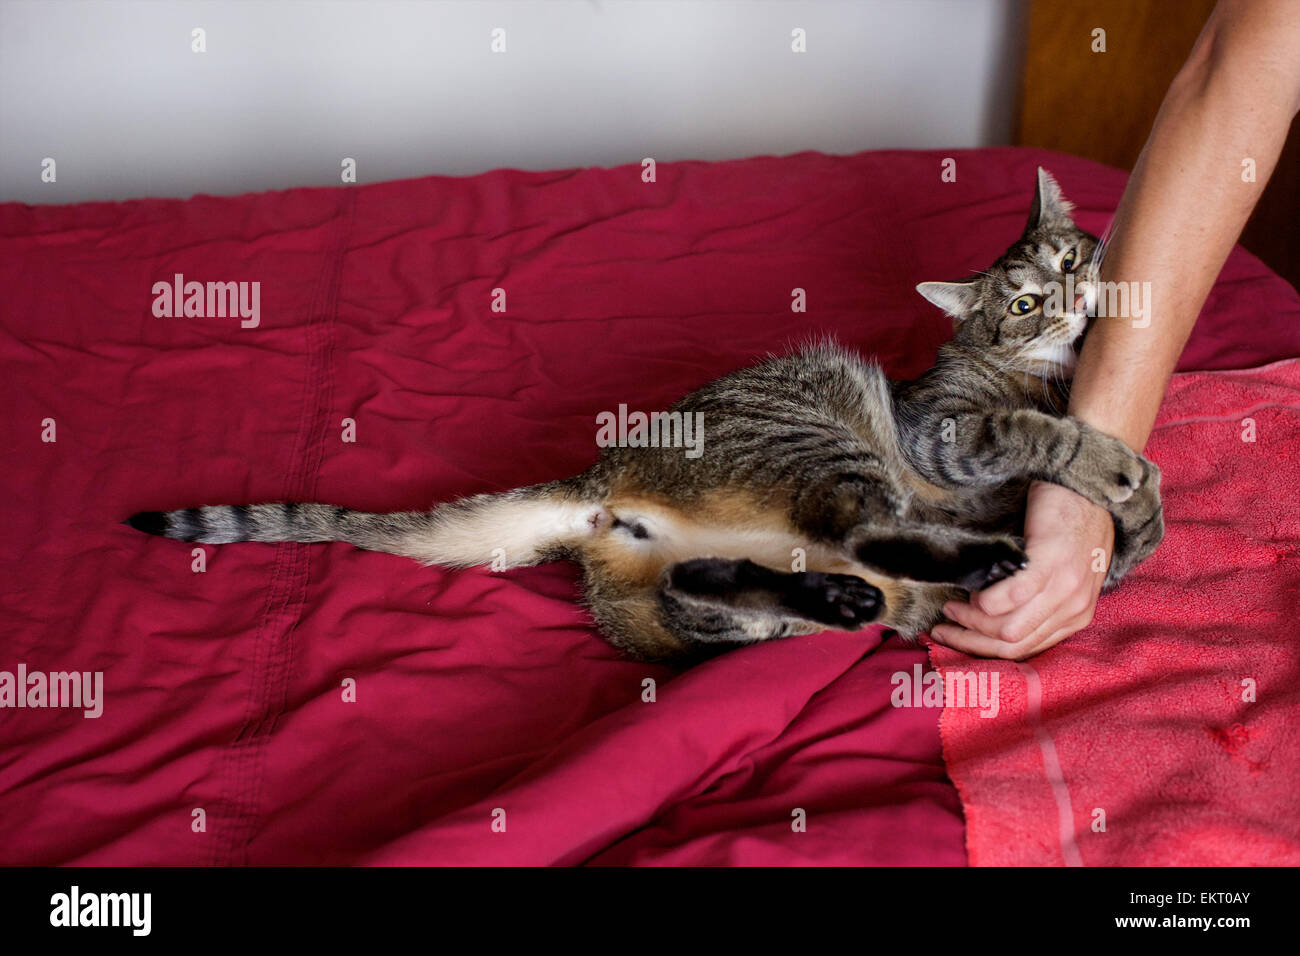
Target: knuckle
{"points": [[959, 614], [1075, 606], [1012, 632], [1072, 580]]}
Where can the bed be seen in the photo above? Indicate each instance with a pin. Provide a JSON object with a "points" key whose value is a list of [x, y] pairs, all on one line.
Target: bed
{"points": [[292, 704]]}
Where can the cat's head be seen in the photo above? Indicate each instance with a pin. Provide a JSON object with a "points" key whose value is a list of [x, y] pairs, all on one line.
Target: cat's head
{"points": [[1023, 312]]}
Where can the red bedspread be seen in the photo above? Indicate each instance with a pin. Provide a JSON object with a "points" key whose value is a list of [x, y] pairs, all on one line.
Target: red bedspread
{"points": [[226, 735]]}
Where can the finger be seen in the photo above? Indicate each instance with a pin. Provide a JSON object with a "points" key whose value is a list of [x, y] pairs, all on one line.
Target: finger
{"points": [[1011, 593], [1017, 626], [1038, 640], [973, 619], [1073, 626], [1049, 635], [972, 642]]}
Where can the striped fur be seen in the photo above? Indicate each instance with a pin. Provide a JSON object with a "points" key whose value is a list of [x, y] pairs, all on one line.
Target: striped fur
{"points": [[826, 496], [535, 522]]}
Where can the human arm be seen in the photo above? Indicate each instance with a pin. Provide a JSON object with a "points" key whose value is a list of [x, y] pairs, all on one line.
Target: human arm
{"points": [[1185, 205]]}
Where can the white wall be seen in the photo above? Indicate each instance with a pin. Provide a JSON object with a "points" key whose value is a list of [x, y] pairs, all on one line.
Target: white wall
{"points": [[111, 90]]}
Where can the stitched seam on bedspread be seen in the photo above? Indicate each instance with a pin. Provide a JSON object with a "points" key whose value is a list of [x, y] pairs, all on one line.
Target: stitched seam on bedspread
{"points": [[243, 762]]}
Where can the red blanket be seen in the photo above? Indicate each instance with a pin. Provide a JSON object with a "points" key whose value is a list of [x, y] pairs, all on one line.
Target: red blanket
{"points": [[1165, 734], [229, 732]]}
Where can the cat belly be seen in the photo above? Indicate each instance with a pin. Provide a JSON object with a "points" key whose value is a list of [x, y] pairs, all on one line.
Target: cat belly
{"points": [[640, 537]]}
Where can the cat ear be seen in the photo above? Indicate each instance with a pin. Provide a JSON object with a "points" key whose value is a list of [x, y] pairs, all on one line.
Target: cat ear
{"points": [[955, 298], [1050, 205]]}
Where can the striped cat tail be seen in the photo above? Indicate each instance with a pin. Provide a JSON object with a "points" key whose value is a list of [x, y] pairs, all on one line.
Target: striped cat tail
{"points": [[512, 529]]}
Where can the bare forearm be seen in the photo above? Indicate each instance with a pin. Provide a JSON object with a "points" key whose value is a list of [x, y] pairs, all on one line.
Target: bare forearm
{"points": [[1187, 203]]}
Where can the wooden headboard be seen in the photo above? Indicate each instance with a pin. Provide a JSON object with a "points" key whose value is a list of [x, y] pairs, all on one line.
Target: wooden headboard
{"points": [[1101, 105]]}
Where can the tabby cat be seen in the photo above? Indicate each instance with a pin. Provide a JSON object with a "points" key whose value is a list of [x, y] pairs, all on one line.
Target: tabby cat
{"points": [[826, 495]]}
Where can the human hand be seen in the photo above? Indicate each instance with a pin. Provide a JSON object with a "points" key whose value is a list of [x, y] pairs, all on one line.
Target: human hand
{"points": [[1050, 599]]}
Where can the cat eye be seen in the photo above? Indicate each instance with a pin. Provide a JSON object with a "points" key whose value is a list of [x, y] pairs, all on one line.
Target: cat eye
{"points": [[1024, 305], [1068, 261]]}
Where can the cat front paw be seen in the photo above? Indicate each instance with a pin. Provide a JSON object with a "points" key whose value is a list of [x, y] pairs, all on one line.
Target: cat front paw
{"points": [[1139, 525], [1121, 476], [1110, 472]]}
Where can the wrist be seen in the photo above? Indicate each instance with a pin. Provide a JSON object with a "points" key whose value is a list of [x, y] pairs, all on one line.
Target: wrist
{"points": [[1118, 399], [1060, 498]]}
